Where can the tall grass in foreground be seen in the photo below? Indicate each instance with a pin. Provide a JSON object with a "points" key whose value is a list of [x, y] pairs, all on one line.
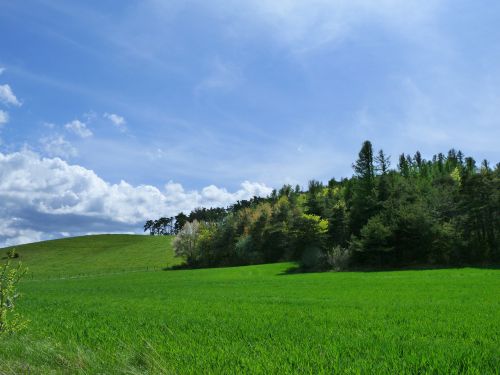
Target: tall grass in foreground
{"points": [[259, 319]]}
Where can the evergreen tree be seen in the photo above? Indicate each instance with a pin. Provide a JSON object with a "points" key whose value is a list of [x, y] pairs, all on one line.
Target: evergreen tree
{"points": [[363, 201], [403, 166], [382, 166], [383, 163], [418, 160]]}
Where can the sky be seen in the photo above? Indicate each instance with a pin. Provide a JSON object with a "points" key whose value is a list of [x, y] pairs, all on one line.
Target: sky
{"points": [[113, 112]]}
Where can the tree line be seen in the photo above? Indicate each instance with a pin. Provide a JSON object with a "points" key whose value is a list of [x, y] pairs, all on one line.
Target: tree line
{"points": [[442, 211], [172, 225]]}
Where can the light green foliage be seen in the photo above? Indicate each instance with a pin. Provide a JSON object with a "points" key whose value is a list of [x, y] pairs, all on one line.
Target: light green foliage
{"points": [[338, 258], [302, 201], [185, 242], [317, 224], [258, 319], [10, 275], [312, 229], [455, 175]]}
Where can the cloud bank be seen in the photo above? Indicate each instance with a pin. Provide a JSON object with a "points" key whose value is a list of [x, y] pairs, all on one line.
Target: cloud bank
{"points": [[43, 198]]}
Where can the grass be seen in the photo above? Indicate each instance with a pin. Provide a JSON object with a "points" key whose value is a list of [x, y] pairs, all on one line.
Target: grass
{"points": [[90, 255], [257, 319]]}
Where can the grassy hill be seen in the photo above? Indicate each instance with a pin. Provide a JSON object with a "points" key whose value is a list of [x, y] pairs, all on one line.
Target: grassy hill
{"points": [[254, 319], [95, 254]]}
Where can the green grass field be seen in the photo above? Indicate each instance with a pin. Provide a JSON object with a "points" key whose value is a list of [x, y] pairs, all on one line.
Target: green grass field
{"points": [[254, 319], [91, 255]]}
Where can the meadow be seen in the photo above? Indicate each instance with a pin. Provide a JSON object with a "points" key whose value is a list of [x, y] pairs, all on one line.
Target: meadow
{"points": [[252, 319], [91, 255]]}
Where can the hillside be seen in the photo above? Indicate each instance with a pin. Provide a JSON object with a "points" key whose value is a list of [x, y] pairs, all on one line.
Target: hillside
{"points": [[95, 254]]}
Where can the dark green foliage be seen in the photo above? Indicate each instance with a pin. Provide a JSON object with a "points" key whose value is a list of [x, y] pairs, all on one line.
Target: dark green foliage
{"points": [[374, 241], [161, 227], [180, 220], [443, 211], [363, 203], [479, 207]]}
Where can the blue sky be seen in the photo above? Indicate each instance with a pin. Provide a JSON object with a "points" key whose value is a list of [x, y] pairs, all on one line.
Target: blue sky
{"points": [[185, 96]]}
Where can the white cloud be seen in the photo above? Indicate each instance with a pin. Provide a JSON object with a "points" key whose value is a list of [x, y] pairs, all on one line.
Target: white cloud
{"points": [[57, 145], [4, 117], [7, 96], [48, 196], [13, 235], [79, 128], [117, 120]]}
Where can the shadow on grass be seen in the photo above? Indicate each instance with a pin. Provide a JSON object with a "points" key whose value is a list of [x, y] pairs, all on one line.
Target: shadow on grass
{"points": [[178, 267], [297, 269]]}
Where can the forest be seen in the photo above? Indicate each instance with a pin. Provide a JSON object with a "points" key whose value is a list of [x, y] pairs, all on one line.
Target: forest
{"points": [[439, 212]]}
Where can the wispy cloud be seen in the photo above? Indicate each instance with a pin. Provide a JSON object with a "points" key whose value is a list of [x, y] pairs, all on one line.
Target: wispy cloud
{"points": [[4, 117], [58, 146], [305, 25], [116, 120], [79, 128], [7, 96]]}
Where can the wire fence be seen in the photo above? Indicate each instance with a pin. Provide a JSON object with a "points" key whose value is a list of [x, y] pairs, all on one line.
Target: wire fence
{"points": [[56, 275]]}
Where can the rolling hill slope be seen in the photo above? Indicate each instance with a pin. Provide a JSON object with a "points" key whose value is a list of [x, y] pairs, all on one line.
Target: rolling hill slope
{"points": [[95, 254]]}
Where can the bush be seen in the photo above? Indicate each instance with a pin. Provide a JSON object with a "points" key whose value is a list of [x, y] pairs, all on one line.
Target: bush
{"points": [[338, 258], [312, 258], [10, 276], [245, 252], [185, 242], [373, 244]]}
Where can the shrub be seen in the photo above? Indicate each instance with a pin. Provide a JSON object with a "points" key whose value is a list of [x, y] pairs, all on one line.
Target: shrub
{"points": [[312, 258], [185, 242], [10, 276], [338, 258]]}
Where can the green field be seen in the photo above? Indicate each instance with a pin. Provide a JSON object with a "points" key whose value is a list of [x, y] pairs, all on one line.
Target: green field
{"points": [[91, 255], [254, 319]]}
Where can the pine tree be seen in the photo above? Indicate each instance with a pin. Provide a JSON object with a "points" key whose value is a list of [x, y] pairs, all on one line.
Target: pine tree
{"points": [[363, 167], [383, 162], [363, 202]]}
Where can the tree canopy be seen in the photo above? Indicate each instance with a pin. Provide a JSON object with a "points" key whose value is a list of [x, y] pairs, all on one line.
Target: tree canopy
{"points": [[442, 211]]}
